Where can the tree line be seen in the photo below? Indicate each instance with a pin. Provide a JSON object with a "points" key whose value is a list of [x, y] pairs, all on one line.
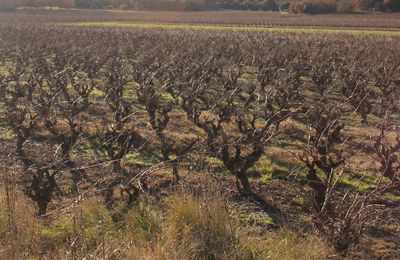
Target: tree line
{"points": [[177, 5], [295, 6]]}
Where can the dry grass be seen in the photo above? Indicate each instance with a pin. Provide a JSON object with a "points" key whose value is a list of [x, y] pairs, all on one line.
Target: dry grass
{"points": [[195, 226], [189, 224], [287, 245], [17, 222], [201, 227], [198, 225]]}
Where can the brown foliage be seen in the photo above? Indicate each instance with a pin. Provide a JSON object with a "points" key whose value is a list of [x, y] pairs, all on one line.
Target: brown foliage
{"points": [[313, 7]]}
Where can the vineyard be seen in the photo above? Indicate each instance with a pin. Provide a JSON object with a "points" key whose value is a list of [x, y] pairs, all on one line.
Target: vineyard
{"points": [[237, 18], [155, 143]]}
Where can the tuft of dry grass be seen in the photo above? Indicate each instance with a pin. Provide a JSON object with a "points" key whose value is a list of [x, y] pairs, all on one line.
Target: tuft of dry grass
{"points": [[142, 222], [18, 224], [200, 226], [196, 225], [285, 244]]}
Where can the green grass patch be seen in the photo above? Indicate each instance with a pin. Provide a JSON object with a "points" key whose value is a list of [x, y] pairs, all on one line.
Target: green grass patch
{"points": [[392, 197], [143, 157], [96, 93], [373, 118], [6, 133], [360, 182], [256, 219], [90, 221], [361, 31], [266, 169]]}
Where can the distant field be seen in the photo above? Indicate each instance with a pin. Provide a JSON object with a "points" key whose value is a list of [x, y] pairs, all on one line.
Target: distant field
{"points": [[363, 31], [221, 19]]}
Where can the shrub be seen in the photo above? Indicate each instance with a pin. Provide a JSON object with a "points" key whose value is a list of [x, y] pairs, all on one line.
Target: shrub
{"points": [[392, 5], [296, 7], [313, 7], [194, 5], [284, 7], [344, 6], [269, 5], [363, 4], [379, 6], [91, 4]]}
